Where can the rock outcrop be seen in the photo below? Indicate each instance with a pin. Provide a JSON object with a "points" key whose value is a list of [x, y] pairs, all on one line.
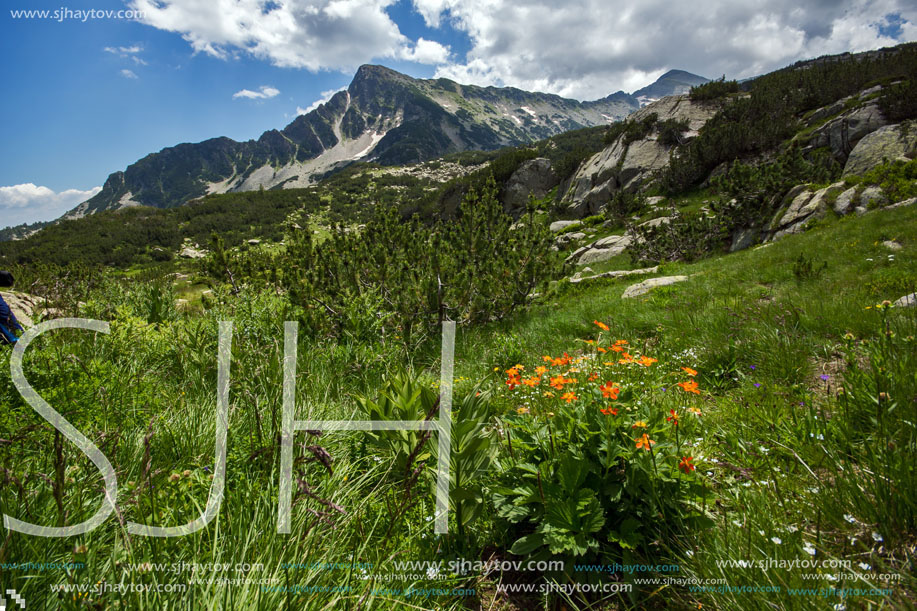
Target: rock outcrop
{"points": [[884, 144], [559, 225], [24, 306], [600, 250], [615, 274], [534, 177], [801, 206], [642, 288], [190, 252], [842, 133], [626, 166]]}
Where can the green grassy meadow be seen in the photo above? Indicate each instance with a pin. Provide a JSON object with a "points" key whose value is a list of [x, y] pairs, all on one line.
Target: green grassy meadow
{"points": [[799, 424]]}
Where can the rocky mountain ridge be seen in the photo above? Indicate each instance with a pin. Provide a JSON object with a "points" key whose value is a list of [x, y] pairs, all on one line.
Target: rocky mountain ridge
{"points": [[383, 116]]}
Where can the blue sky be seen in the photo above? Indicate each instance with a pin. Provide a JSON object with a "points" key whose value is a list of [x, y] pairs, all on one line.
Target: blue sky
{"points": [[82, 99]]}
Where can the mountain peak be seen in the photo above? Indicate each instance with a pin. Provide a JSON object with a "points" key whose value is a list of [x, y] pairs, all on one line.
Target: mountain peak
{"points": [[679, 74], [375, 72], [383, 116], [673, 82]]}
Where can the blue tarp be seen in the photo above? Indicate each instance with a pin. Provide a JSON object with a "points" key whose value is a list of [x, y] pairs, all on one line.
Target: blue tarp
{"points": [[8, 324]]}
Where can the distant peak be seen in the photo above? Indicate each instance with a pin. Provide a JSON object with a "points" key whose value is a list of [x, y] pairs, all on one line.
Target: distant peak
{"points": [[678, 73]]}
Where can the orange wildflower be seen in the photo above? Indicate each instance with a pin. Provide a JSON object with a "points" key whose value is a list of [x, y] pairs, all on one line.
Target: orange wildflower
{"points": [[531, 382], [512, 371], [685, 464], [561, 361], [673, 418], [522, 410], [600, 349], [694, 410], [646, 361], [621, 342], [601, 325], [569, 397], [689, 371], [617, 348], [558, 382], [644, 442], [626, 358], [594, 375], [690, 386], [610, 390], [541, 370], [513, 381], [639, 424], [547, 359], [613, 411]]}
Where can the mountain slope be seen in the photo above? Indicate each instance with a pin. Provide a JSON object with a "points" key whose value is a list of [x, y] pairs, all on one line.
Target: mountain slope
{"points": [[383, 116]]}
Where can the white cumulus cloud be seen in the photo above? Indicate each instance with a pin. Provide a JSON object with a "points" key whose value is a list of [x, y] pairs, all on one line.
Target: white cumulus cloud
{"points": [[262, 94], [29, 203], [124, 51], [588, 48], [311, 34], [128, 74], [426, 52]]}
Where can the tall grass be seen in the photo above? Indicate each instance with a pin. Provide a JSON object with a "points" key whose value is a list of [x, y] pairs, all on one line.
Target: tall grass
{"points": [[786, 456]]}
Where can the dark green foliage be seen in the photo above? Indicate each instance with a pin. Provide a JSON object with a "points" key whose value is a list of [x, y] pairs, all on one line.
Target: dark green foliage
{"points": [[622, 205], [899, 102], [142, 235], [474, 269], [63, 286], [685, 238], [750, 195], [631, 130], [17, 231], [755, 191], [897, 179], [750, 125], [807, 268], [713, 90], [568, 150], [670, 132]]}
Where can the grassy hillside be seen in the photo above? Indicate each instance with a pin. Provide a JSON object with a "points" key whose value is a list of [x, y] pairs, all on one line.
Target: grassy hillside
{"points": [[787, 466]]}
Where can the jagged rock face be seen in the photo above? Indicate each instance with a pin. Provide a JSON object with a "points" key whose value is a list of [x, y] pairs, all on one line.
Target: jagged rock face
{"points": [[800, 206], [383, 116], [622, 166], [534, 177], [842, 134], [886, 143]]}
